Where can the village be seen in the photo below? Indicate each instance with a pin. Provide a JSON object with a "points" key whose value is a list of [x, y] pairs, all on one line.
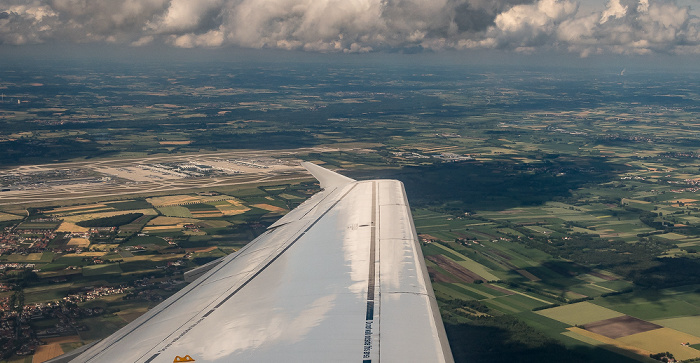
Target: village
{"points": [[27, 250]]}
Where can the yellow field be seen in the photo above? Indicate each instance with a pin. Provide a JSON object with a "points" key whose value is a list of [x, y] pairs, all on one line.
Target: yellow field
{"points": [[233, 209], [207, 214], [186, 142], [686, 200], [268, 207], [289, 196], [8, 217], [130, 315], [173, 200], [71, 228], [217, 223], [662, 340], [686, 324], [52, 348], [201, 249], [154, 257], [635, 201], [163, 228], [32, 257], [46, 352], [609, 343], [526, 160], [86, 254], [674, 236], [76, 208], [79, 242], [579, 313]]}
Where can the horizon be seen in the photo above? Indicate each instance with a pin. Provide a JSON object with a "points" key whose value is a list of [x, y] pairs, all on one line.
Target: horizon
{"points": [[47, 55], [563, 31]]}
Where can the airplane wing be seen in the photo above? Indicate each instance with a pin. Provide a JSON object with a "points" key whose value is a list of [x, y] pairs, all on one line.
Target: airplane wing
{"points": [[341, 278]]}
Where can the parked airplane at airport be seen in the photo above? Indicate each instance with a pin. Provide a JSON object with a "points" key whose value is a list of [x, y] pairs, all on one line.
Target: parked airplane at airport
{"points": [[341, 278]]}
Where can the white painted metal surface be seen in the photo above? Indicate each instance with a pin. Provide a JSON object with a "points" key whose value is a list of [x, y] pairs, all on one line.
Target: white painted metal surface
{"points": [[339, 279]]}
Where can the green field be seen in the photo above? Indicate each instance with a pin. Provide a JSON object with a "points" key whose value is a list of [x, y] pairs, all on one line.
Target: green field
{"points": [[468, 263], [574, 184], [136, 225], [656, 305], [28, 258], [448, 292], [106, 269], [430, 249], [145, 240], [175, 211], [686, 324], [47, 293], [579, 313], [39, 225], [100, 327], [517, 303], [616, 285]]}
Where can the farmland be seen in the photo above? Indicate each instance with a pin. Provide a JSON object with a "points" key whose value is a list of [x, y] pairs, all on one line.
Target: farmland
{"points": [[548, 203]]}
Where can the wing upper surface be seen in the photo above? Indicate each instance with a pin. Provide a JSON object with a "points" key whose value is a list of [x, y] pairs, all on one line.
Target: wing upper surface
{"points": [[342, 279]]}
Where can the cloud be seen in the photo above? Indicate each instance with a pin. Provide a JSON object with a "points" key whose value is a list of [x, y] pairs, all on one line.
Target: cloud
{"points": [[186, 16], [622, 26], [614, 10], [526, 26], [643, 27]]}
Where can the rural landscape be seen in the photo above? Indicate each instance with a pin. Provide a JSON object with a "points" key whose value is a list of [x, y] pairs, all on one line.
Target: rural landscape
{"points": [[557, 209]]}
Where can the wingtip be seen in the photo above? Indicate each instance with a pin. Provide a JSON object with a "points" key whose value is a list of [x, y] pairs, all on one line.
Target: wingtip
{"points": [[328, 179]]}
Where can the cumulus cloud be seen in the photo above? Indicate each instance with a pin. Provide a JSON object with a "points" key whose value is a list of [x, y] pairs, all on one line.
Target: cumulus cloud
{"points": [[527, 26], [186, 16], [636, 27], [622, 26]]}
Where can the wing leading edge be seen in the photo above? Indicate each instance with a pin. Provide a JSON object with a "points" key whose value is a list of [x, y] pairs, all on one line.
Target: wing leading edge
{"points": [[339, 278]]}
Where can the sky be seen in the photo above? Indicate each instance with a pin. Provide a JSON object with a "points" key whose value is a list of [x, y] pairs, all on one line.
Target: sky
{"points": [[581, 28]]}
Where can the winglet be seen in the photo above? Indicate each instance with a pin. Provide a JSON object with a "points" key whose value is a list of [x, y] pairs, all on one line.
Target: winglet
{"points": [[328, 179]]}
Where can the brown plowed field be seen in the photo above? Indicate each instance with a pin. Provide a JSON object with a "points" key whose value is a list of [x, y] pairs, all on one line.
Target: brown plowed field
{"points": [[436, 276], [527, 274], [621, 326], [455, 269], [600, 275]]}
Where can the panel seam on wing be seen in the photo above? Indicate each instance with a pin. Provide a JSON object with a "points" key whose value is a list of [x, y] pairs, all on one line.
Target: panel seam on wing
{"points": [[406, 292]]}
